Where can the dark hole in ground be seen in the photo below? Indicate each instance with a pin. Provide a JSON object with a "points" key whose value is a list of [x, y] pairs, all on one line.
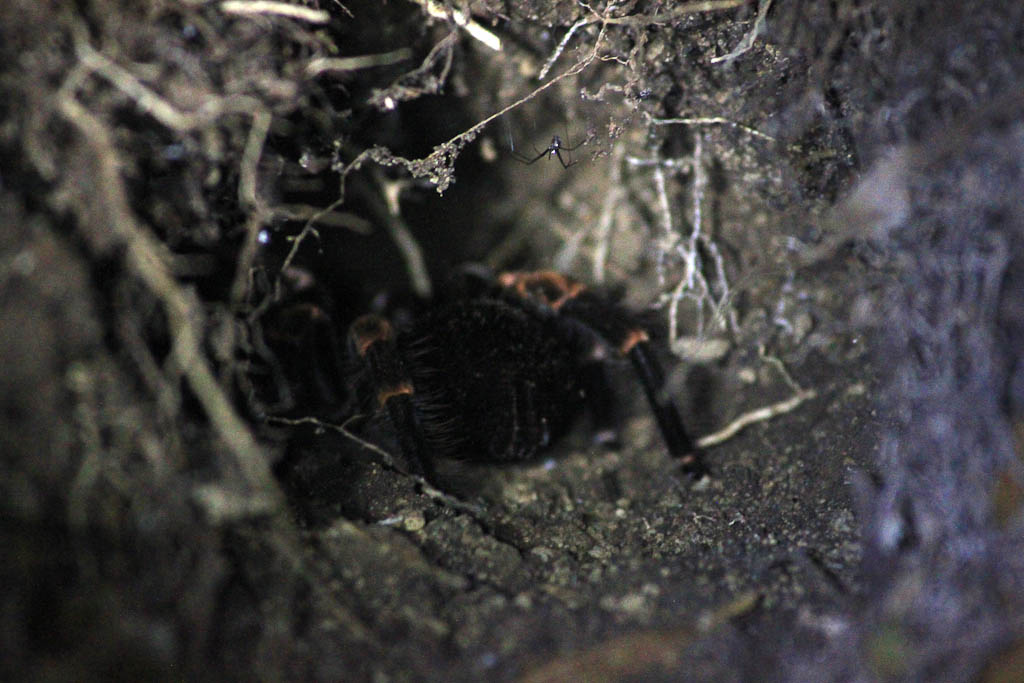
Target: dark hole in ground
{"points": [[835, 208]]}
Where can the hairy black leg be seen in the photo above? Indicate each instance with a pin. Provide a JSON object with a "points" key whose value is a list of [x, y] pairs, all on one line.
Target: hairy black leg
{"points": [[632, 342], [373, 340], [327, 358], [301, 339], [680, 445], [620, 331], [600, 404]]}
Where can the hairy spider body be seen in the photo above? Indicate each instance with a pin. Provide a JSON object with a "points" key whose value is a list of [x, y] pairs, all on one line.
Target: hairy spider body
{"points": [[508, 399], [499, 376]]}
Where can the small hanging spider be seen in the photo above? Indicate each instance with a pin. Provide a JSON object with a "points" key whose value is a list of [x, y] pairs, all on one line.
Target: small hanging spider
{"points": [[500, 374], [555, 149]]}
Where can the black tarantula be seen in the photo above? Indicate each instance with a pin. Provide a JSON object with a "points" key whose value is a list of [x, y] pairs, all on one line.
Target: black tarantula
{"points": [[498, 375]]}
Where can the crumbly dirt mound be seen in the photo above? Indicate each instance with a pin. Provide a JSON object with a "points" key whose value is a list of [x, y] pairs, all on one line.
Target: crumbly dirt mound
{"points": [[816, 205]]}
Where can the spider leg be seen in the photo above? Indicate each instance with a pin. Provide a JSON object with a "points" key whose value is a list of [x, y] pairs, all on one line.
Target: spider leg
{"points": [[327, 356], [616, 326], [558, 153], [600, 404], [652, 377], [575, 147], [529, 160], [632, 341], [373, 340], [304, 331]]}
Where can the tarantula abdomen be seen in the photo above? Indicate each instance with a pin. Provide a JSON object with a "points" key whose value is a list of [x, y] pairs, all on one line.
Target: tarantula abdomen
{"points": [[492, 381]]}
